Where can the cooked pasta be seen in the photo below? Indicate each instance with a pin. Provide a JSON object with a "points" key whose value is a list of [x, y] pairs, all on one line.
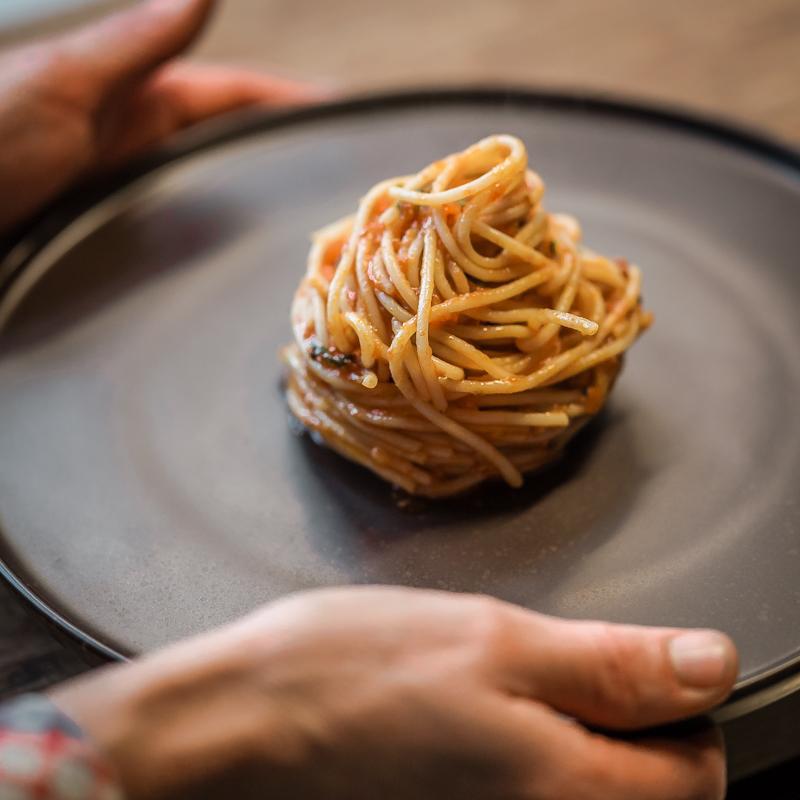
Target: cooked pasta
{"points": [[452, 330]]}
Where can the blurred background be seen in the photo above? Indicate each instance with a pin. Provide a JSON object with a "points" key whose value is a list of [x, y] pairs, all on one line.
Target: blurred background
{"points": [[737, 58]]}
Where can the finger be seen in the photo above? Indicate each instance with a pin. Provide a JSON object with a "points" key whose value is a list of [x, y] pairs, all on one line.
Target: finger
{"points": [[692, 769], [128, 45], [195, 92], [655, 770], [620, 676], [183, 94], [573, 763]]}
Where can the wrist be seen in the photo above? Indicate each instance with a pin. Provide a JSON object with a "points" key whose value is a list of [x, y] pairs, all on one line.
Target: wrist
{"points": [[179, 723]]}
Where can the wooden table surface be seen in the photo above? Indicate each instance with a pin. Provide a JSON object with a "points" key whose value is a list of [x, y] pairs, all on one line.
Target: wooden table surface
{"points": [[736, 58]]}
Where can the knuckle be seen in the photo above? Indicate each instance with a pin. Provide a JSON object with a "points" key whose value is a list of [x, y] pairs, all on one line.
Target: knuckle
{"points": [[51, 62], [52, 71], [616, 671], [488, 625]]}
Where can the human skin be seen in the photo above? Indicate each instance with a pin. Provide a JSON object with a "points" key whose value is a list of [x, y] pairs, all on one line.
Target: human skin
{"points": [[386, 693], [90, 100], [358, 693]]}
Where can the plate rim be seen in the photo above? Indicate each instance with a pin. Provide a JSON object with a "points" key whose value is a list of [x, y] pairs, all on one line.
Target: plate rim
{"points": [[19, 249]]}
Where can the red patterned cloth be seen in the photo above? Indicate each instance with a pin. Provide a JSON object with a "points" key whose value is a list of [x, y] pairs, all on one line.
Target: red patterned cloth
{"points": [[45, 756]]}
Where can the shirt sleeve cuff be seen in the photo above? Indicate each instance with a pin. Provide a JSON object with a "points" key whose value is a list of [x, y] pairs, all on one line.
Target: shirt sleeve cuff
{"points": [[44, 755]]}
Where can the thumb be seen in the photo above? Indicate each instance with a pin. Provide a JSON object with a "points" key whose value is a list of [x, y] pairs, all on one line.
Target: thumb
{"points": [[126, 46], [626, 677]]}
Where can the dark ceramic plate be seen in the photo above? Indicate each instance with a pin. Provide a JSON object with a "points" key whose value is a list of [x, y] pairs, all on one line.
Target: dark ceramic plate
{"points": [[150, 486]]}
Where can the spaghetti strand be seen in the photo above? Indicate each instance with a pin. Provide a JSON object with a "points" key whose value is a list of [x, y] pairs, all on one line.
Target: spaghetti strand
{"points": [[452, 330]]}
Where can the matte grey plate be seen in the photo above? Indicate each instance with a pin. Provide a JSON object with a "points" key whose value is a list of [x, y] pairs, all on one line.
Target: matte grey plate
{"points": [[150, 486]]}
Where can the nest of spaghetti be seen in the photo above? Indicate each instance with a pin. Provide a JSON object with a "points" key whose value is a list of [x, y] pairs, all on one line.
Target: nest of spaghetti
{"points": [[452, 331]]}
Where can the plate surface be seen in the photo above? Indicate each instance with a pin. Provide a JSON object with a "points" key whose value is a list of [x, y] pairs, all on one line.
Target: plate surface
{"points": [[150, 486]]}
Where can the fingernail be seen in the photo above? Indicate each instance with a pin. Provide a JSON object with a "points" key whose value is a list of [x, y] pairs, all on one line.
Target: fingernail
{"points": [[701, 659]]}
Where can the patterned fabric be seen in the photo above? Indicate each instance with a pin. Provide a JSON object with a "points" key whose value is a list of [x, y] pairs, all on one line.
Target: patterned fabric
{"points": [[45, 756]]}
